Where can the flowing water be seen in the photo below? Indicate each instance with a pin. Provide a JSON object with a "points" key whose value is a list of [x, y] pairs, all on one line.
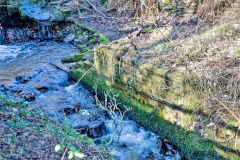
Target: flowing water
{"points": [[27, 73]]}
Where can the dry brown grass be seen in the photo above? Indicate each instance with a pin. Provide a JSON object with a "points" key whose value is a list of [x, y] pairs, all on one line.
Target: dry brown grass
{"points": [[211, 61], [209, 9]]}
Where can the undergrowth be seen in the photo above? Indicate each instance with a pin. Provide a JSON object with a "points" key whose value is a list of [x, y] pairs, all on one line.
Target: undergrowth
{"points": [[28, 133]]}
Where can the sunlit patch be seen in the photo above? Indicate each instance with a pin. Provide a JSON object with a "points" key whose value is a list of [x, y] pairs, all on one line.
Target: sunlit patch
{"points": [[9, 52]]}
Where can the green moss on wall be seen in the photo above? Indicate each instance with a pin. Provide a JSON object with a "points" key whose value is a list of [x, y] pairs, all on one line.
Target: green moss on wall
{"points": [[192, 145], [104, 39]]}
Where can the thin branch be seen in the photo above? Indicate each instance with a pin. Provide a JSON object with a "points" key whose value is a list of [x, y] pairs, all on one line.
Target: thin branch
{"points": [[9, 5], [74, 87], [64, 153], [94, 7], [58, 67], [226, 107]]}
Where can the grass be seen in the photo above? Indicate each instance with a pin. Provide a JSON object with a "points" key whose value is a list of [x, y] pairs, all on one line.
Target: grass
{"points": [[29, 134]]}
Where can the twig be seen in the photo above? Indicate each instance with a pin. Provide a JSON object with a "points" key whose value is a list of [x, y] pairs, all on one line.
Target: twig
{"points": [[9, 5], [74, 87], [135, 34], [83, 7], [89, 17], [104, 16], [79, 12], [64, 153], [111, 9], [58, 67], [236, 139], [226, 107], [111, 106]]}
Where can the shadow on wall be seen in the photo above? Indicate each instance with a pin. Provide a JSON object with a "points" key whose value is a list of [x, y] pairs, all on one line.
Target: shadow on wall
{"points": [[191, 144]]}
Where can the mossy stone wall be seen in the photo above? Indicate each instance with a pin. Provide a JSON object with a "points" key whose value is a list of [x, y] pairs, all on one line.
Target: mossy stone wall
{"points": [[191, 144], [148, 84], [159, 98]]}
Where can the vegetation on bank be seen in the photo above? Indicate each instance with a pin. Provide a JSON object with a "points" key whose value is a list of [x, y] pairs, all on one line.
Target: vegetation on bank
{"points": [[27, 133]]}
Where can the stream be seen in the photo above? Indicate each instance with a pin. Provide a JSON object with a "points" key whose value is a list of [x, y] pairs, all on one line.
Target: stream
{"points": [[27, 74]]}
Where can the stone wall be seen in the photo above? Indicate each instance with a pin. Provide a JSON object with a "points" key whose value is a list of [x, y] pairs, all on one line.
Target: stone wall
{"points": [[148, 84], [172, 94], [167, 100]]}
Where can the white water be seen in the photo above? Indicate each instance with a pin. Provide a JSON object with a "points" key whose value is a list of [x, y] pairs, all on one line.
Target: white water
{"points": [[9, 52], [135, 142]]}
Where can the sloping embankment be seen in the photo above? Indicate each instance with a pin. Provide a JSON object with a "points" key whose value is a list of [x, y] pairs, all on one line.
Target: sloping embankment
{"points": [[187, 90], [27, 133]]}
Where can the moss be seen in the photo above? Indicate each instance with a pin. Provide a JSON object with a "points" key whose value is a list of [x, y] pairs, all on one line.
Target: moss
{"points": [[79, 32], [83, 48], [147, 29], [84, 64], [94, 36], [190, 54], [104, 39], [92, 40], [192, 145], [178, 62], [194, 4], [159, 71], [66, 12], [75, 58], [237, 52], [33, 1], [87, 28], [233, 123], [165, 2], [104, 3]]}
